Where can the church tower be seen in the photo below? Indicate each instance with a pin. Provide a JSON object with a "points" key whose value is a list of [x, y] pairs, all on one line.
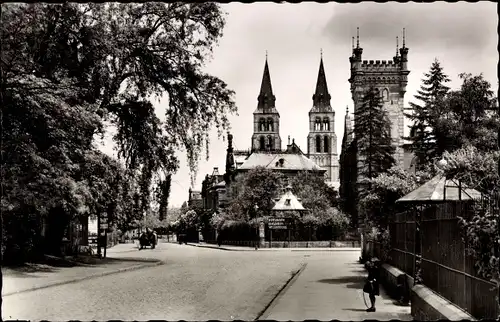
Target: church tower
{"points": [[266, 119], [322, 141], [390, 78]]}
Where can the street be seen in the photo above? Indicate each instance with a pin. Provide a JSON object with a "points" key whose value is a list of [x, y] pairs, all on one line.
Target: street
{"points": [[203, 284]]}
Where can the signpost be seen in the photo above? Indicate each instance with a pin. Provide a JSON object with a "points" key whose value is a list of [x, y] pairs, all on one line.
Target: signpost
{"points": [[277, 223], [102, 237]]}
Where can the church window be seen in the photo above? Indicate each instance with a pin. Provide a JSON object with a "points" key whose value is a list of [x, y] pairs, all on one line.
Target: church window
{"points": [[327, 146], [270, 125], [270, 142], [326, 124], [262, 125], [318, 144], [262, 143], [317, 124]]}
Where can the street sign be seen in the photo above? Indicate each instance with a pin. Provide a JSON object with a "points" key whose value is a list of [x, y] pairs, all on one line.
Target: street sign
{"points": [[104, 225], [277, 223]]}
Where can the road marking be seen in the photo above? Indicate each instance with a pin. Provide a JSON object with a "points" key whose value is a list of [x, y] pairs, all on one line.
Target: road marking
{"points": [[265, 312]]}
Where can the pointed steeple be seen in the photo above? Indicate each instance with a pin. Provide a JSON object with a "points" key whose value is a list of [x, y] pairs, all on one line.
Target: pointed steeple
{"points": [[347, 127], [266, 98], [321, 98]]}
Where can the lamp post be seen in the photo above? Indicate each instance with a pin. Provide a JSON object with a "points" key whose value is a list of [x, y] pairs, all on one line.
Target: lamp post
{"points": [[257, 236]]}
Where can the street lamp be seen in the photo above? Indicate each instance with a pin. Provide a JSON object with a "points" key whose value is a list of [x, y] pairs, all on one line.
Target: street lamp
{"points": [[257, 237]]}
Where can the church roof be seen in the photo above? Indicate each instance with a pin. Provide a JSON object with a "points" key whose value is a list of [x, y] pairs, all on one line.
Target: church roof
{"points": [[291, 161]]}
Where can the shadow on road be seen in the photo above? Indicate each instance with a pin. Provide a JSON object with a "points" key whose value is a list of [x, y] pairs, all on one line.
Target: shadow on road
{"points": [[355, 310], [353, 282], [52, 264], [343, 280]]}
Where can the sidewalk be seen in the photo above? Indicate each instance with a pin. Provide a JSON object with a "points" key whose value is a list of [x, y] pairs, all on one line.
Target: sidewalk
{"points": [[332, 289], [37, 276], [243, 248]]}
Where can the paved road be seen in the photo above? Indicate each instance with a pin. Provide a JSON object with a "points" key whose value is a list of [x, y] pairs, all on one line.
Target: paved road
{"points": [[330, 288], [194, 284], [203, 284]]}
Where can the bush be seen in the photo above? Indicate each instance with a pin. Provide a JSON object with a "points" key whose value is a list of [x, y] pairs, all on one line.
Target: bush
{"points": [[232, 230]]}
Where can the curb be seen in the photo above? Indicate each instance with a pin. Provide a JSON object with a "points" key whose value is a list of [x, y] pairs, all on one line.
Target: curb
{"points": [[121, 270], [333, 249], [283, 289]]}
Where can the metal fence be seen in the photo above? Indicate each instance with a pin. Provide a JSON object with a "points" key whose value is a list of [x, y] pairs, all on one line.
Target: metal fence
{"points": [[446, 268]]}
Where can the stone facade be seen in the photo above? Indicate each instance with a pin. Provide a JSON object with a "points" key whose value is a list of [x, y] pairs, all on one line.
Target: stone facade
{"points": [[266, 119], [390, 78], [322, 140]]}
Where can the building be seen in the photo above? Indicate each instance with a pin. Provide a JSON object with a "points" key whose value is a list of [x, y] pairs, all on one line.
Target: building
{"points": [[321, 141], [195, 200], [390, 78], [266, 151]]}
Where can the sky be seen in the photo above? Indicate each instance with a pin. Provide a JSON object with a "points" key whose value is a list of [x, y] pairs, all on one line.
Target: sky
{"points": [[462, 36]]}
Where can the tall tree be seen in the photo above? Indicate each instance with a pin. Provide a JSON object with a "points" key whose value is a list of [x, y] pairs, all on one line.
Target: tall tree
{"points": [[431, 95], [470, 117], [68, 68], [372, 136], [258, 187], [163, 193]]}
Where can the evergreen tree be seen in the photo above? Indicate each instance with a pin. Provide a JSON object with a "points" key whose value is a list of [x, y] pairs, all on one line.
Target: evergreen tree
{"points": [[372, 135], [432, 93]]}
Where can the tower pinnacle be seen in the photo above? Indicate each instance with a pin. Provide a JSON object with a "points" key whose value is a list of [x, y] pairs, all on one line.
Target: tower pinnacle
{"points": [[321, 97], [404, 38], [397, 45], [266, 98], [357, 41]]}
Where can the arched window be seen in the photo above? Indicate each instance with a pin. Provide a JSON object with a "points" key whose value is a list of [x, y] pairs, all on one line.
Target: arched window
{"points": [[317, 124], [262, 125], [326, 124], [318, 144], [270, 125], [269, 142], [327, 145], [385, 95], [262, 144]]}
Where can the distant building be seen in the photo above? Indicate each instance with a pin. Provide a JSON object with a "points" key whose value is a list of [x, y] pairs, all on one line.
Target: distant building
{"points": [[195, 199]]}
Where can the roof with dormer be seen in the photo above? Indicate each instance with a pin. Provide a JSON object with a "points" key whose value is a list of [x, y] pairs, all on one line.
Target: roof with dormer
{"points": [[290, 162]]}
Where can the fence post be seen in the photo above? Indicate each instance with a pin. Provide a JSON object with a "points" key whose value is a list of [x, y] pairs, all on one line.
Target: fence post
{"points": [[418, 251]]}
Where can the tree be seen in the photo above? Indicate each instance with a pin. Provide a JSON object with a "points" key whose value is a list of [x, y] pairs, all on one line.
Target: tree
{"points": [[68, 68], [372, 136], [380, 200], [258, 187], [470, 117], [432, 93], [163, 193]]}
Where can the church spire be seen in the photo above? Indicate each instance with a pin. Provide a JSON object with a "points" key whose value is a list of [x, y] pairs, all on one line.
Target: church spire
{"points": [[321, 97], [266, 98], [347, 126]]}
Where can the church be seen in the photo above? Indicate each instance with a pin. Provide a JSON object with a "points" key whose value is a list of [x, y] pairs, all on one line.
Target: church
{"points": [[389, 77], [266, 145]]}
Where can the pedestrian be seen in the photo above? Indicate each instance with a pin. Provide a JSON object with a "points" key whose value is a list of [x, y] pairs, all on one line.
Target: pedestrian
{"points": [[372, 283]]}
